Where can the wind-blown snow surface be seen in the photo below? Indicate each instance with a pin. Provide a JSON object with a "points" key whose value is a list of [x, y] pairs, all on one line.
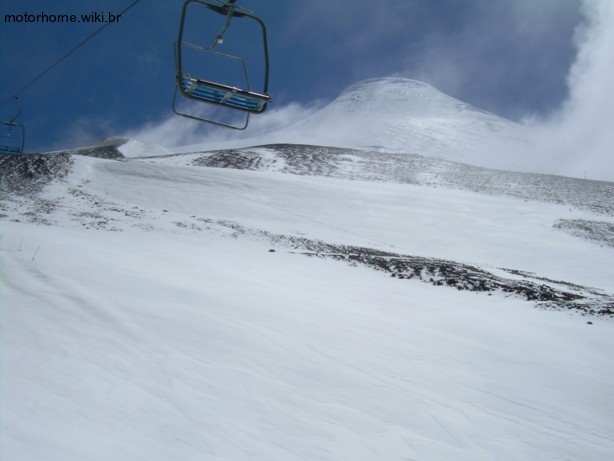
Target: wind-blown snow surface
{"points": [[145, 317]]}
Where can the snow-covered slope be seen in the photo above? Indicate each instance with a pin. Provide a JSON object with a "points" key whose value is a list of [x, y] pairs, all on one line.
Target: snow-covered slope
{"points": [[165, 345], [403, 115], [406, 116], [290, 302]]}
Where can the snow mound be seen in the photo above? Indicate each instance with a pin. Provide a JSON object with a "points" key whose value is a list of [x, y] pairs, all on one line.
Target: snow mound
{"points": [[134, 148], [404, 115]]}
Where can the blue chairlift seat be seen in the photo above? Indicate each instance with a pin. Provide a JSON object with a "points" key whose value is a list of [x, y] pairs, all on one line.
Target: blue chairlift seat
{"points": [[225, 95], [13, 140], [10, 150]]}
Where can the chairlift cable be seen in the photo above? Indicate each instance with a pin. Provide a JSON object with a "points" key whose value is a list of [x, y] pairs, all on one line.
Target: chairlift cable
{"points": [[66, 55]]}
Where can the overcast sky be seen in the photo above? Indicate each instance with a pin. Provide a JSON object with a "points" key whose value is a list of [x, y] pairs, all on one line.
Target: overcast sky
{"points": [[514, 58]]}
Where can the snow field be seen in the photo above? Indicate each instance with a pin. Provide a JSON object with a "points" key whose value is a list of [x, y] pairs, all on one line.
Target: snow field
{"points": [[501, 232], [135, 346], [142, 315]]}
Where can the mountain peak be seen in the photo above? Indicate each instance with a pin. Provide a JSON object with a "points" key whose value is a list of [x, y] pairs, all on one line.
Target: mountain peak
{"points": [[397, 114], [401, 96]]}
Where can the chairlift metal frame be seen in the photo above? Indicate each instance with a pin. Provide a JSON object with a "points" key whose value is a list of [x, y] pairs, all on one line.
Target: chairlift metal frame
{"points": [[8, 149], [202, 90]]}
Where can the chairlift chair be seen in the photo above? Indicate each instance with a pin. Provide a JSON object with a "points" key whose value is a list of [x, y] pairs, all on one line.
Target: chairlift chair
{"points": [[13, 143], [202, 89]]}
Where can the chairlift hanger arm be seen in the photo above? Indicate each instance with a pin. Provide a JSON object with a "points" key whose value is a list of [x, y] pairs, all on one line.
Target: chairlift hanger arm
{"points": [[16, 116], [220, 36]]}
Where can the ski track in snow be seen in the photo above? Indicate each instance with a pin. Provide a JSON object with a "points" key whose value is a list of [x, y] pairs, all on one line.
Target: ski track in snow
{"points": [[145, 317]]}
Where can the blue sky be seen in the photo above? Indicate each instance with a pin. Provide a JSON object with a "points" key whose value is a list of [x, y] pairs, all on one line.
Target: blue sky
{"points": [[510, 57]]}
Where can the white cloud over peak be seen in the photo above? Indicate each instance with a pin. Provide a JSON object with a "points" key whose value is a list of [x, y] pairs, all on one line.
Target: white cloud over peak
{"points": [[579, 138], [177, 131]]}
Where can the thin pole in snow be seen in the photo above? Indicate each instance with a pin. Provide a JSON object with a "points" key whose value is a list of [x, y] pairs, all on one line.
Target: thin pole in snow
{"points": [[36, 252]]}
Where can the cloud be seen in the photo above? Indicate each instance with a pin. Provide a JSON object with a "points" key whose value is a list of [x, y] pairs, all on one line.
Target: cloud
{"points": [[176, 131], [83, 131], [509, 57], [578, 139]]}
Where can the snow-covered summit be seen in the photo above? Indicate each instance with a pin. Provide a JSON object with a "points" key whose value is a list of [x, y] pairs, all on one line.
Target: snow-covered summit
{"points": [[404, 115], [397, 96]]}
